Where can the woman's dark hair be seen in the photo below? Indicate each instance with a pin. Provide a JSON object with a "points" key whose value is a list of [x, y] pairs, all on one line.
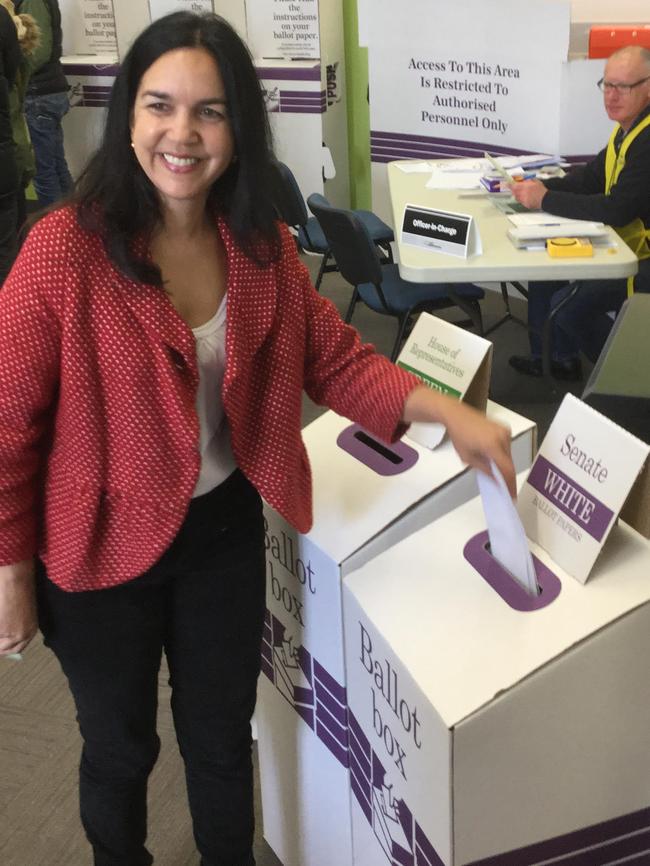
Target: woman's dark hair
{"points": [[116, 198]]}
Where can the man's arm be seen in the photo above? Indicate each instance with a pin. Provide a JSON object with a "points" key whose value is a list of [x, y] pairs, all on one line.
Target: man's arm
{"points": [[583, 197], [584, 181]]}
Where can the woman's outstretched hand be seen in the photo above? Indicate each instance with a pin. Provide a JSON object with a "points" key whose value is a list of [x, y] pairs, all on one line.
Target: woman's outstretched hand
{"points": [[476, 439]]}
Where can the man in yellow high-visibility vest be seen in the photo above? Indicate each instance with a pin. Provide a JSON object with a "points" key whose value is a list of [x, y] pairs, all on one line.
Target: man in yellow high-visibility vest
{"points": [[614, 188]]}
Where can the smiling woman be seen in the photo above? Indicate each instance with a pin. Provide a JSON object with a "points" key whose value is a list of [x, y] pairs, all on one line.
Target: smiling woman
{"points": [[180, 130], [158, 330]]}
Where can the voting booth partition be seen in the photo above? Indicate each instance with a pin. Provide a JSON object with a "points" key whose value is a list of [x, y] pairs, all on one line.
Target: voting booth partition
{"points": [[298, 51], [618, 386], [452, 81], [367, 495], [492, 728]]}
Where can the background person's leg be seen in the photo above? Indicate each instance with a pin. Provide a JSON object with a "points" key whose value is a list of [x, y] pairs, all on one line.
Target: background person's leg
{"points": [[540, 297], [213, 650], [62, 170], [8, 237], [583, 324], [109, 644], [44, 115]]}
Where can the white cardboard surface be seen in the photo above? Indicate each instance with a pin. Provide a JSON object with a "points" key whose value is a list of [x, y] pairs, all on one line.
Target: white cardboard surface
{"points": [[523, 718], [352, 505], [357, 513], [488, 647]]}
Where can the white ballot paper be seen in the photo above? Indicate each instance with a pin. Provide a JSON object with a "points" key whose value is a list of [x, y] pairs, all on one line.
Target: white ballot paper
{"points": [[414, 167], [508, 541]]}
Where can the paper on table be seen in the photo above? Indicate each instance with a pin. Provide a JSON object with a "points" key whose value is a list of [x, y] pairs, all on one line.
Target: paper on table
{"points": [[508, 542], [541, 218], [414, 167], [532, 160], [454, 179]]}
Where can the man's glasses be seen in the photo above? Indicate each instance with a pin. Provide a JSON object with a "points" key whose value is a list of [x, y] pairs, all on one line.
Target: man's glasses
{"points": [[625, 89]]}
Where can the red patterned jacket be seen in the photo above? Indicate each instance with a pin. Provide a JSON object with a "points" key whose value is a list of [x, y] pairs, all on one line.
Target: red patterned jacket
{"points": [[98, 429]]}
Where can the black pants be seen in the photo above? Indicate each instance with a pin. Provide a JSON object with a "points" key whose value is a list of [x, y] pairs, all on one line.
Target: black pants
{"points": [[203, 604], [8, 234]]}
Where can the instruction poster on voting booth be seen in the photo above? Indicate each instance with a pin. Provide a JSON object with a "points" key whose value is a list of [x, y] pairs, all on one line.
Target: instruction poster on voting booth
{"points": [[158, 8], [284, 29]]}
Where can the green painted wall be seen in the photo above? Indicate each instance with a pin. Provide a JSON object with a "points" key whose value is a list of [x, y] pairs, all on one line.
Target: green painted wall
{"points": [[356, 65]]}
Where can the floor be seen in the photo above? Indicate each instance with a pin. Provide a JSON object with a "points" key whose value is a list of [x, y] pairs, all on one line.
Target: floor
{"points": [[39, 743]]}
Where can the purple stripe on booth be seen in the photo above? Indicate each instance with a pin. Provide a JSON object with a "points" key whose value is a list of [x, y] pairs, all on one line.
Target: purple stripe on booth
{"points": [[361, 800], [359, 758], [304, 94], [330, 683], [610, 852], [291, 109], [403, 137], [90, 71], [360, 737], [306, 713], [285, 109], [428, 856], [92, 103], [302, 104], [267, 669], [586, 511], [390, 146], [338, 710], [284, 74], [357, 772], [596, 834], [303, 99], [303, 695], [402, 857], [328, 720], [99, 89], [340, 753]]}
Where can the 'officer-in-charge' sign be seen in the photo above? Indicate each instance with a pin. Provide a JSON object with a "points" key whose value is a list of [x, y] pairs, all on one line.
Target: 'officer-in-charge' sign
{"points": [[440, 231]]}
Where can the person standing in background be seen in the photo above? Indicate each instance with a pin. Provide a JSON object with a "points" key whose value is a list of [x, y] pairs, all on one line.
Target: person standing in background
{"points": [[29, 39], [46, 103], [9, 62]]}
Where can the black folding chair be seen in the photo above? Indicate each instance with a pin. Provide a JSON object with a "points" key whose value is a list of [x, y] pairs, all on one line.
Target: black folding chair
{"points": [[292, 210], [380, 285]]}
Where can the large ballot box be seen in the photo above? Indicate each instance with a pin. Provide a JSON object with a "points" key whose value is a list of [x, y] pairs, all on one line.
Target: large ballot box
{"points": [[488, 730], [367, 496]]}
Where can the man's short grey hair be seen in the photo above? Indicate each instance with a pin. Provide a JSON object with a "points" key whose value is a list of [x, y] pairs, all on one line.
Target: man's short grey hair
{"points": [[633, 51]]}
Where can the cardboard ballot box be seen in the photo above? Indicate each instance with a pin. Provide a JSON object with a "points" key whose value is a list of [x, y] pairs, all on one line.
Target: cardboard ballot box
{"points": [[488, 730], [367, 496]]}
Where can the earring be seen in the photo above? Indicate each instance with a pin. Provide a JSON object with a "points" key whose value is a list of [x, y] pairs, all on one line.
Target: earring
{"points": [[133, 145]]}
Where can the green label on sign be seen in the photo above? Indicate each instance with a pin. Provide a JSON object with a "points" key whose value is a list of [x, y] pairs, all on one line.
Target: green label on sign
{"points": [[430, 382]]}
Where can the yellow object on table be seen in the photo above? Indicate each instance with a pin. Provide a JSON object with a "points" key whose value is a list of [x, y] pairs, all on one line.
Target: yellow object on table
{"points": [[568, 247]]}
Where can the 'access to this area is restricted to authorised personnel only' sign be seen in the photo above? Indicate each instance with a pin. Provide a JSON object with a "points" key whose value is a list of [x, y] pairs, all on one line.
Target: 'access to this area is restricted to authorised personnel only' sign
{"points": [[440, 231]]}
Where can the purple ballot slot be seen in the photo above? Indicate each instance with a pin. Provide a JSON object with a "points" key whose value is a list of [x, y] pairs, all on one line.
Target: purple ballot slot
{"points": [[477, 553], [381, 458]]}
